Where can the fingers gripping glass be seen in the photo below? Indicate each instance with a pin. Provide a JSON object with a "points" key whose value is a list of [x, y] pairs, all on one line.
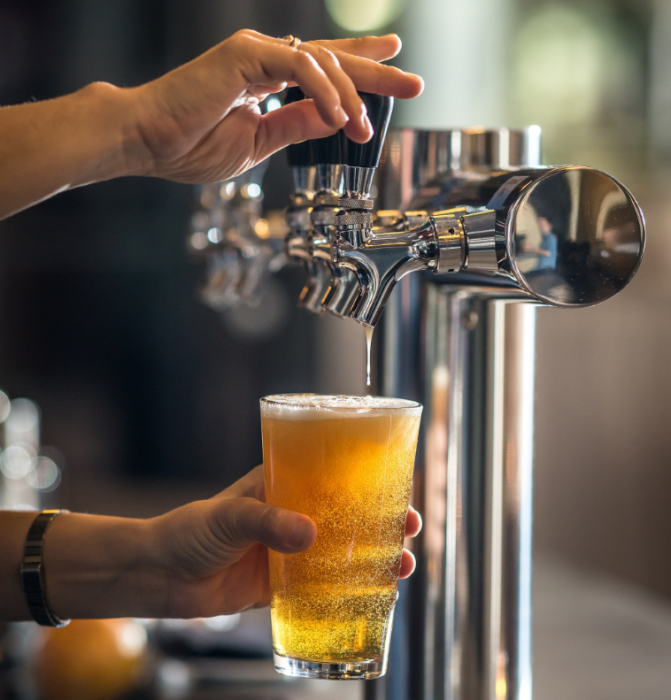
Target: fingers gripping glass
{"points": [[346, 462]]}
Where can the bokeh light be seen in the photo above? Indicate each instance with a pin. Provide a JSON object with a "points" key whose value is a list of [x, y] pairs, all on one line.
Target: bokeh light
{"points": [[357, 16], [561, 64], [4, 406], [214, 235], [44, 475], [17, 461]]}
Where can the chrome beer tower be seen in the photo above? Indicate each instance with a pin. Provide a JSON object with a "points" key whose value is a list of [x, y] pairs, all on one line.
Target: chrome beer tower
{"points": [[491, 235]]}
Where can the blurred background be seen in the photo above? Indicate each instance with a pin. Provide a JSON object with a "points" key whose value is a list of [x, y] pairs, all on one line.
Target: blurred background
{"points": [[151, 398]]}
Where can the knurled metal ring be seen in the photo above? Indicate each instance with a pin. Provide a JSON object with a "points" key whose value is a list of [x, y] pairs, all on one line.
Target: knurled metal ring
{"points": [[294, 41], [326, 199], [349, 203], [323, 217], [354, 218], [298, 218]]}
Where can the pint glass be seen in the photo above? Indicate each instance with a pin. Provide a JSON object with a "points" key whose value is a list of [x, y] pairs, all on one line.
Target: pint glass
{"points": [[346, 462]]}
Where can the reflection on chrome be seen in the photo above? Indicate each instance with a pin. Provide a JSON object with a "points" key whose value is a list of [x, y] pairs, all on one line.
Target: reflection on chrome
{"points": [[576, 237], [239, 248]]}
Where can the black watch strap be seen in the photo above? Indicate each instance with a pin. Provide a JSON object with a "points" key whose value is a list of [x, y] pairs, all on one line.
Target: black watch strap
{"points": [[32, 571]]}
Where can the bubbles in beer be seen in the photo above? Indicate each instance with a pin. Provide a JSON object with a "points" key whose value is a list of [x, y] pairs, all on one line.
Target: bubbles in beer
{"points": [[350, 471]]}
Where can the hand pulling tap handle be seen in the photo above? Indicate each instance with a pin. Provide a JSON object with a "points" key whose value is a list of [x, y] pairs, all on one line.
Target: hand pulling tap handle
{"points": [[367, 155], [298, 154]]}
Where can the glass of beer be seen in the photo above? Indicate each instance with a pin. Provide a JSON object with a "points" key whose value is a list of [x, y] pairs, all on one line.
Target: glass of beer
{"points": [[346, 462]]}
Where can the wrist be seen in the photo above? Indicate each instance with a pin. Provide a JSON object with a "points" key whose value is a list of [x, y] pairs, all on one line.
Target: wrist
{"points": [[101, 567], [112, 141]]}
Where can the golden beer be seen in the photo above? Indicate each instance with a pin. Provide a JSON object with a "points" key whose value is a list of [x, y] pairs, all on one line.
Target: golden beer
{"points": [[346, 462]]}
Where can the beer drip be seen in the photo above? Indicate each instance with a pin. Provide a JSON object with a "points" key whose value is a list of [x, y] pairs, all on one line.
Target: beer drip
{"points": [[369, 341]]}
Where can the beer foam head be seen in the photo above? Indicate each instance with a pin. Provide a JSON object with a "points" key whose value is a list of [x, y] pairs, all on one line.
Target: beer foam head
{"points": [[303, 406]]}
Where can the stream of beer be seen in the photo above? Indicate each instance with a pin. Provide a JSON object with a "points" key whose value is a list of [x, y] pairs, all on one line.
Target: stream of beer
{"points": [[369, 340]]}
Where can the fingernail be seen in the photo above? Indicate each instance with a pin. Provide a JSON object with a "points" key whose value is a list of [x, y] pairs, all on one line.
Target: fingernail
{"points": [[341, 114], [419, 517], [367, 125], [300, 534], [413, 564]]}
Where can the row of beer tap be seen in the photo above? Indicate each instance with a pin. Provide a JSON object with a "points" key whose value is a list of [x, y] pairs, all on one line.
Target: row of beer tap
{"points": [[353, 256]]}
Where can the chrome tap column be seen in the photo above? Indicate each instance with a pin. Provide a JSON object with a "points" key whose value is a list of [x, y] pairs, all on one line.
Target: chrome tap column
{"points": [[464, 620], [462, 343]]}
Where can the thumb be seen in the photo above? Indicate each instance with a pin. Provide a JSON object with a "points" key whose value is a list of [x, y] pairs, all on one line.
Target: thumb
{"points": [[242, 521]]}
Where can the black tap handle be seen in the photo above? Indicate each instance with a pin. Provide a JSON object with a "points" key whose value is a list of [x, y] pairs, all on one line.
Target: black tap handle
{"points": [[326, 151], [298, 154], [367, 155]]}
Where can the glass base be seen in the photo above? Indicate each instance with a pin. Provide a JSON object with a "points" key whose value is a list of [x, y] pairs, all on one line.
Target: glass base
{"points": [[347, 671]]}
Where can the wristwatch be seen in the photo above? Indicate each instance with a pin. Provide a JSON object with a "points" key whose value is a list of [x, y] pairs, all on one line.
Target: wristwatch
{"points": [[32, 571]]}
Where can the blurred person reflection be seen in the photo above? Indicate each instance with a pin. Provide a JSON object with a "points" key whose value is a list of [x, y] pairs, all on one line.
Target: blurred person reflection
{"points": [[199, 123], [547, 249]]}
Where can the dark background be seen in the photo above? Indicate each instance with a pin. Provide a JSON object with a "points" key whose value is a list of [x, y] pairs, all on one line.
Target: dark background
{"points": [[100, 321]]}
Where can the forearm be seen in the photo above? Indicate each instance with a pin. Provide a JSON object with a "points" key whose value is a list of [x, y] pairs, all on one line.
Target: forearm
{"points": [[52, 146], [14, 526], [95, 566]]}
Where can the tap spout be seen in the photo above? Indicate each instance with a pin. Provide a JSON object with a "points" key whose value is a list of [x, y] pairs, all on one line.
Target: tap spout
{"points": [[320, 273], [316, 287], [344, 293], [380, 257]]}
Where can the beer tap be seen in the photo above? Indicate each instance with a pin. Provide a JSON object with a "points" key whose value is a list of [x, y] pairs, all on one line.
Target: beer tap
{"points": [[301, 201], [376, 257], [326, 156], [492, 227], [360, 161], [238, 248]]}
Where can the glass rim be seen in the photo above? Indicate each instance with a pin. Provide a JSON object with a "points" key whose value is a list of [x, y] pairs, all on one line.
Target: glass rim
{"points": [[271, 399]]}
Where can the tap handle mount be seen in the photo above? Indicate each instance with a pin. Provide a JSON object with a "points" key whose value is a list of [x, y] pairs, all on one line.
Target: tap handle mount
{"points": [[367, 155], [298, 154]]}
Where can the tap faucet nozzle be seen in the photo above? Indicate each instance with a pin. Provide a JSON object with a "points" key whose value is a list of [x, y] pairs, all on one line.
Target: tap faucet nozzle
{"points": [[380, 256]]}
